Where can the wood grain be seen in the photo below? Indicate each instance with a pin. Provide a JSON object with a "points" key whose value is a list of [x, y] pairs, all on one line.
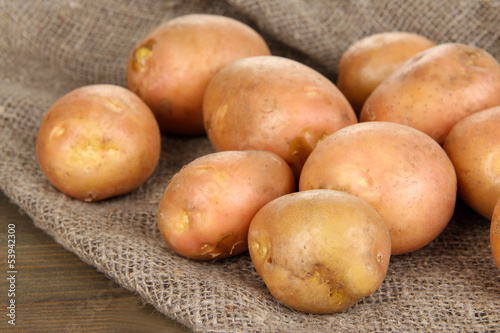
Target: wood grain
{"points": [[57, 292]]}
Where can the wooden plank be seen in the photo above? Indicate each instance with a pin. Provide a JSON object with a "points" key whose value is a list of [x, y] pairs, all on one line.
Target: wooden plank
{"points": [[57, 292]]}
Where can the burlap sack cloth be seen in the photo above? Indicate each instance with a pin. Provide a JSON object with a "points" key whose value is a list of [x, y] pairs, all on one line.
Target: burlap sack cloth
{"points": [[49, 47]]}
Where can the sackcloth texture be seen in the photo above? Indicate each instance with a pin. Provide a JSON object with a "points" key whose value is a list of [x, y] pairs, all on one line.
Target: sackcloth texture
{"points": [[49, 47]]}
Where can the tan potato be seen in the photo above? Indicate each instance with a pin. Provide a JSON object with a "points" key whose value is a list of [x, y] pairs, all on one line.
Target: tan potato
{"points": [[319, 251], [436, 88], [495, 233], [403, 173], [275, 104], [368, 61], [171, 66], [207, 207], [98, 141], [473, 146]]}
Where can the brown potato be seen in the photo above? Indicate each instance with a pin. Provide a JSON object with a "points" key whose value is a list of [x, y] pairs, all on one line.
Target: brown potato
{"points": [[98, 141], [495, 233], [436, 88], [207, 207], [473, 146], [403, 173], [368, 61], [171, 66], [275, 104], [319, 251]]}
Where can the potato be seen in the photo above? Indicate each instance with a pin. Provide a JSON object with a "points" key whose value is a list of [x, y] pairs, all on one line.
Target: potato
{"points": [[207, 207], [473, 146], [495, 233], [97, 142], [171, 66], [319, 251], [368, 61], [275, 104], [436, 88], [402, 172]]}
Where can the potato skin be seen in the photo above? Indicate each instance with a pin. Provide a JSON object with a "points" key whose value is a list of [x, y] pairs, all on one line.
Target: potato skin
{"points": [[319, 251], [495, 233], [436, 88], [97, 142], [172, 65], [473, 146], [368, 61], [275, 104], [207, 207], [403, 173]]}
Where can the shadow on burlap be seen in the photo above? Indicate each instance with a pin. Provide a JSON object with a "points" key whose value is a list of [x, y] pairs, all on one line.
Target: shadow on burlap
{"points": [[51, 47]]}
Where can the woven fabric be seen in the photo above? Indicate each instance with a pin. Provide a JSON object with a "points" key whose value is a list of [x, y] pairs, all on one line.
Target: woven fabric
{"points": [[50, 47]]}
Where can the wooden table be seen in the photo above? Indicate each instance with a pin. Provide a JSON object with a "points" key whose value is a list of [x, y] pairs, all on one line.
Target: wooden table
{"points": [[57, 292]]}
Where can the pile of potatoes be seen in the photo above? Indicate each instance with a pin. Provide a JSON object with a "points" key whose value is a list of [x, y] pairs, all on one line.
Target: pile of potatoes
{"points": [[320, 182]]}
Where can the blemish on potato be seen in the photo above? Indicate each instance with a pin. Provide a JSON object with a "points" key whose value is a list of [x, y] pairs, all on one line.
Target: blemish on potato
{"points": [[92, 149], [469, 56], [338, 296], [237, 244], [310, 91], [322, 137], [261, 249], [205, 168], [359, 180], [300, 148], [183, 222], [493, 165], [57, 131], [115, 106], [220, 115], [321, 275], [141, 56], [90, 197], [368, 113], [208, 126], [269, 104], [277, 161], [225, 247], [380, 258], [218, 175], [226, 244]]}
